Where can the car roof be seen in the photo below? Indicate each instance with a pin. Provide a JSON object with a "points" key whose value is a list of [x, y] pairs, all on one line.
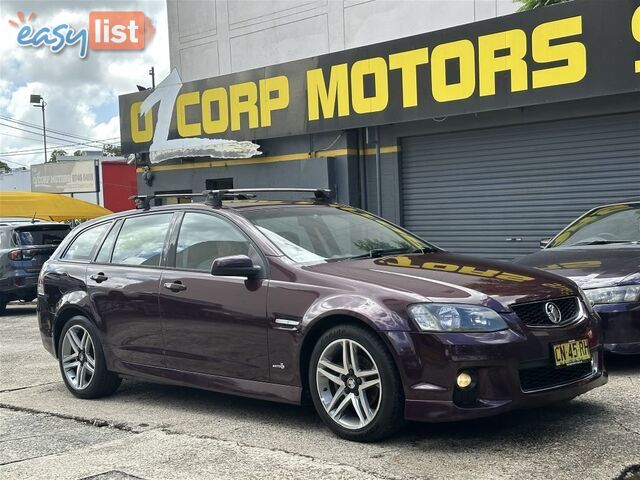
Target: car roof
{"points": [[237, 206]]}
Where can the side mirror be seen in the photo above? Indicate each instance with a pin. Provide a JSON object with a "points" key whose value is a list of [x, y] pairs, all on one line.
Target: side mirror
{"points": [[544, 242], [235, 266]]}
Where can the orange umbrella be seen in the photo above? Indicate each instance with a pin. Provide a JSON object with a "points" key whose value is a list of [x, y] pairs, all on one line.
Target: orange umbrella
{"points": [[48, 206]]}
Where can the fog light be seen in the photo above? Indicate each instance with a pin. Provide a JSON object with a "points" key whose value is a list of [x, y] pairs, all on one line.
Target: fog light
{"points": [[463, 380]]}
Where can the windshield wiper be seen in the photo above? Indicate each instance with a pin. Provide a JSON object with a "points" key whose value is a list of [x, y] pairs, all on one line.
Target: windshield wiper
{"points": [[603, 242], [381, 252]]}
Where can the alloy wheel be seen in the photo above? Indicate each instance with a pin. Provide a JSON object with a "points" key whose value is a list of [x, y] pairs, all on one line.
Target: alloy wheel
{"points": [[78, 357], [348, 383]]}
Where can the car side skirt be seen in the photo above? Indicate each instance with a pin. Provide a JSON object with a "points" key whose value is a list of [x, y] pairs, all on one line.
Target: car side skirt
{"points": [[247, 388]]}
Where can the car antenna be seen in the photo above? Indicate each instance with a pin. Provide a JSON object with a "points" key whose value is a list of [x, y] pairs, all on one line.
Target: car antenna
{"points": [[33, 219]]}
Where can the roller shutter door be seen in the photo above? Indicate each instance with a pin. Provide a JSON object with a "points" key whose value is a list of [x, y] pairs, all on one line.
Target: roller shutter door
{"points": [[496, 192]]}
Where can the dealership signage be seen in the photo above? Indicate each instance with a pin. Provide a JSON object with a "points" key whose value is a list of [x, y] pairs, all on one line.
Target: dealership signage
{"points": [[64, 177], [580, 49]]}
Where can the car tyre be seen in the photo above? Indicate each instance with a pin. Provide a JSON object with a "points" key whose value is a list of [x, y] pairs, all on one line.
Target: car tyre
{"points": [[3, 305], [81, 360], [358, 396]]}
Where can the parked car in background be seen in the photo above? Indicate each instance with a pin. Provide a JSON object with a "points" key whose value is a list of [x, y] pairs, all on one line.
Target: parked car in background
{"points": [[24, 247], [286, 300], [600, 251]]}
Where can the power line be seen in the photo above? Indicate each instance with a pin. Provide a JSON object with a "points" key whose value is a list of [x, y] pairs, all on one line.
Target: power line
{"points": [[33, 125], [4, 134], [35, 152], [93, 143], [40, 135], [16, 163], [53, 136]]}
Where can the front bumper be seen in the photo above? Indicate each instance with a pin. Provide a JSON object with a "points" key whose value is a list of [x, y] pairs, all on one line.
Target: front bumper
{"points": [[430, 363], [621, 327]]}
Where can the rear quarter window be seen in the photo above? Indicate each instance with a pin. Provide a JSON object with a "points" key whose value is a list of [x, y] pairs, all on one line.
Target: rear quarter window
{"points": [[82, 246]]}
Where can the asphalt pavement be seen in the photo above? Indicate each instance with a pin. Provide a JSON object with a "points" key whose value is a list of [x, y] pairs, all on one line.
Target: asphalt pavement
{"points": [[152, 431]]}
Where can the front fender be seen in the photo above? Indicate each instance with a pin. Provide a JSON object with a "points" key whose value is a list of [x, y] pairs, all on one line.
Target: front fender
{"points": [[370, 311]]}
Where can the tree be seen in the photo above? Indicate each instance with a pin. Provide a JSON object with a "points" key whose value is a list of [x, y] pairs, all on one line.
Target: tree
{"points": [[78, 153], [111, 150], [531, 4], [4, 167], [55, 154]]}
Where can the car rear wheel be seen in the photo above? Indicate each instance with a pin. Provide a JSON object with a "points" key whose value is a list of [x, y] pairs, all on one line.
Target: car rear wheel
{"points": [[354, 385], [82, 362]]}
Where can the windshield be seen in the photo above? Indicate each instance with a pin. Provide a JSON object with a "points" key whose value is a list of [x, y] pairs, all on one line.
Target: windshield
{"points": [[325, 233], [40, 235], [607, 225]]}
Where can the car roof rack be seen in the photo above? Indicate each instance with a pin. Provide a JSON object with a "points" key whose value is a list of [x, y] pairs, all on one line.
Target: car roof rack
{"points": [[214, 198]]}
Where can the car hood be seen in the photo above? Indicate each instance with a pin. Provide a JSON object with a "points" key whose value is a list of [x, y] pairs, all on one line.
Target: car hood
{"points": [[447, 277], [590, 266]]}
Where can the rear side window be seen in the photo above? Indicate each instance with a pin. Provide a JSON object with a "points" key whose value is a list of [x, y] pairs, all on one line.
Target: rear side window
{"points": [[141, 240], [83, 244], [40, 235]]}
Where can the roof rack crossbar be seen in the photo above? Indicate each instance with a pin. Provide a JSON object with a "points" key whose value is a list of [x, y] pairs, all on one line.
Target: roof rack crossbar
{"points": [[143, 201], [214, 198]]}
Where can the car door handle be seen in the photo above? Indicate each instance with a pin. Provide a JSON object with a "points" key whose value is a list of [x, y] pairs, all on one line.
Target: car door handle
{"points": [[513, 239], [175, 286], [99, 277]]}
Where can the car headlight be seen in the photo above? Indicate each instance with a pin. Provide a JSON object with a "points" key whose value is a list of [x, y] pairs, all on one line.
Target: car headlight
{"points": [[444, 317], [626, 293]]}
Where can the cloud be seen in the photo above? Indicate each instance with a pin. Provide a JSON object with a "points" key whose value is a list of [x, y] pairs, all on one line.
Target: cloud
{"points": [[81, 94]]}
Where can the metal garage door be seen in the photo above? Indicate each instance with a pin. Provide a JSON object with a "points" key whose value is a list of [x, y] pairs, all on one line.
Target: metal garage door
{"points": [[496, 192]]}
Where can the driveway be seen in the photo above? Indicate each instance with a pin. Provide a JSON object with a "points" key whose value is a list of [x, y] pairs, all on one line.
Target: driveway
{"points": [[155, 431]]}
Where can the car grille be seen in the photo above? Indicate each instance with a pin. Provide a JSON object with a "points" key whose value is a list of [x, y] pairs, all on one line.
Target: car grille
{"points": [[534, 314], [546, 377]]}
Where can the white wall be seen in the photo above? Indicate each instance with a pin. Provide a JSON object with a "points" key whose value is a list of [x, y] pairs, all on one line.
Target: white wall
{"points": [[15, 181], [214, 37]]}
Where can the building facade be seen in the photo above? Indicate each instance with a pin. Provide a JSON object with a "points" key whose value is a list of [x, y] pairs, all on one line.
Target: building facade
{"points": [[18, 180], [531, 118]]}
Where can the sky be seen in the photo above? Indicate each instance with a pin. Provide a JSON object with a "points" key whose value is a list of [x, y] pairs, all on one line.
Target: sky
{"points": [[81, 94]]}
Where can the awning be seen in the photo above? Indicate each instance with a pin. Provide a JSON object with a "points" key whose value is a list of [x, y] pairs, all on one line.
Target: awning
{"points": [[47, 206]]}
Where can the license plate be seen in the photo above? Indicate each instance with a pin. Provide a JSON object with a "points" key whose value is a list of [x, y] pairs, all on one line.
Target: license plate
{"points": [[571, 352]]}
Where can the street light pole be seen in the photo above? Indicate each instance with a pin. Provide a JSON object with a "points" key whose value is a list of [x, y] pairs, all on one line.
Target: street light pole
{"points": [[152, 72], [44, 133], [38, 101]]}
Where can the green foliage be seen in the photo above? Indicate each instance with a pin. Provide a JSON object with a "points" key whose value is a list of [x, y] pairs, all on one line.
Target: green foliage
{"points": [[4, 167], [55, 154], [112, 150], [531, 4]]}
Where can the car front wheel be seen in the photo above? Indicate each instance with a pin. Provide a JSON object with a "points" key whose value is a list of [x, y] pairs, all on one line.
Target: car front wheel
{"points": [[82, 362], [354, 384]]}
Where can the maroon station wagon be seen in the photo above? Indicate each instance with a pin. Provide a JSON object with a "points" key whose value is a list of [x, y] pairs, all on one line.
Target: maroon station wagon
{"points": [[295, 300]]}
